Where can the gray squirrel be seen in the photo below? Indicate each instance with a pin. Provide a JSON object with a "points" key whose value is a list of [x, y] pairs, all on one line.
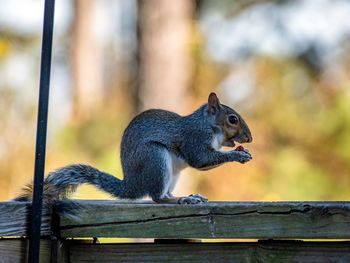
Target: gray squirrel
{"points": [[155, 147]]}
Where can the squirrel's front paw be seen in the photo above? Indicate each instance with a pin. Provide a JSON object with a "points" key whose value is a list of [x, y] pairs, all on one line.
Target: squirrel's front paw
{"points": [[193, 199], [242, 156]]}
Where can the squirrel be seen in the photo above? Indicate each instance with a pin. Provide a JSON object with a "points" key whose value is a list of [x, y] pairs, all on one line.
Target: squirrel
{"points": [[155, 147]]}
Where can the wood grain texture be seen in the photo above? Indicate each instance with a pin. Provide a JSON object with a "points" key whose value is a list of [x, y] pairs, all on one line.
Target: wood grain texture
{"points": [[16, 251], [14, 219], [257, 220], [213, 252]]}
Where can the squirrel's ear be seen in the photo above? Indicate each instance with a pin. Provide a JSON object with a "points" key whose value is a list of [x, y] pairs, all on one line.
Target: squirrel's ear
{"points": [[213, 103]]}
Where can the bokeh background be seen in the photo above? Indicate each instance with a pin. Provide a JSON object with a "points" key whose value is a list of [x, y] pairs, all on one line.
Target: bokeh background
{"points": [[283, 64]]}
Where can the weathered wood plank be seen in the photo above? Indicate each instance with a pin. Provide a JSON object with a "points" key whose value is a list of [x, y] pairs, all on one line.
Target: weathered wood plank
{"points": [[257, 220], [212, 252], [16, 250], [14, 219]]}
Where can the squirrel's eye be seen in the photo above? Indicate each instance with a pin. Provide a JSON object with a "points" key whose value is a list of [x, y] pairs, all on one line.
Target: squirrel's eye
{"points": [[232, 119]]}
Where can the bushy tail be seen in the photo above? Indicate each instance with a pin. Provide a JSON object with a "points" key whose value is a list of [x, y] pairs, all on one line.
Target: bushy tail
{"points": [[60, 184]]}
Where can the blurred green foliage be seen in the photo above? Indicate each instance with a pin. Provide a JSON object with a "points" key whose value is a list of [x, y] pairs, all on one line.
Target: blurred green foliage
{"points": [[300, 121]]}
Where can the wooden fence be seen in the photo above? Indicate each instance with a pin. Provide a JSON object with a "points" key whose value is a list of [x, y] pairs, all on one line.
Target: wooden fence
{"points": [[212, 232]]}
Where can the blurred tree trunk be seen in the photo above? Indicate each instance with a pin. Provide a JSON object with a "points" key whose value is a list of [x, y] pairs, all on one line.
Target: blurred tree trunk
{"points": [[164, 65], [85, 61], [163, 53]]}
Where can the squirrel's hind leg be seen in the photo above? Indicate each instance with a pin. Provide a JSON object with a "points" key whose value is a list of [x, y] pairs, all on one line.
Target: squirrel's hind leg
{"points": [[161, 179], [156, 173]]}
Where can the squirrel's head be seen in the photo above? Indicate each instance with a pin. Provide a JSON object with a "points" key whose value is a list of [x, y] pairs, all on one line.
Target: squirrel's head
{"points": [[232, 124]]}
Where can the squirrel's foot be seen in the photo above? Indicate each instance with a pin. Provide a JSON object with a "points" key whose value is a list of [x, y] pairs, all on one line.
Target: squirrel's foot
{"points": [[203, 198], [193, 199], [169, 195]]}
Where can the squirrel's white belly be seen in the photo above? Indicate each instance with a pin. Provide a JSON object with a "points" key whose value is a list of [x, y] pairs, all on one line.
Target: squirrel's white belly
{"points": [[174, 165], [217, 141]]}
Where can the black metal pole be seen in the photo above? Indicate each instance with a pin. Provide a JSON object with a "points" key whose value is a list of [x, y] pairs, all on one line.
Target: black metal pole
{"points": [[46, 48]]}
